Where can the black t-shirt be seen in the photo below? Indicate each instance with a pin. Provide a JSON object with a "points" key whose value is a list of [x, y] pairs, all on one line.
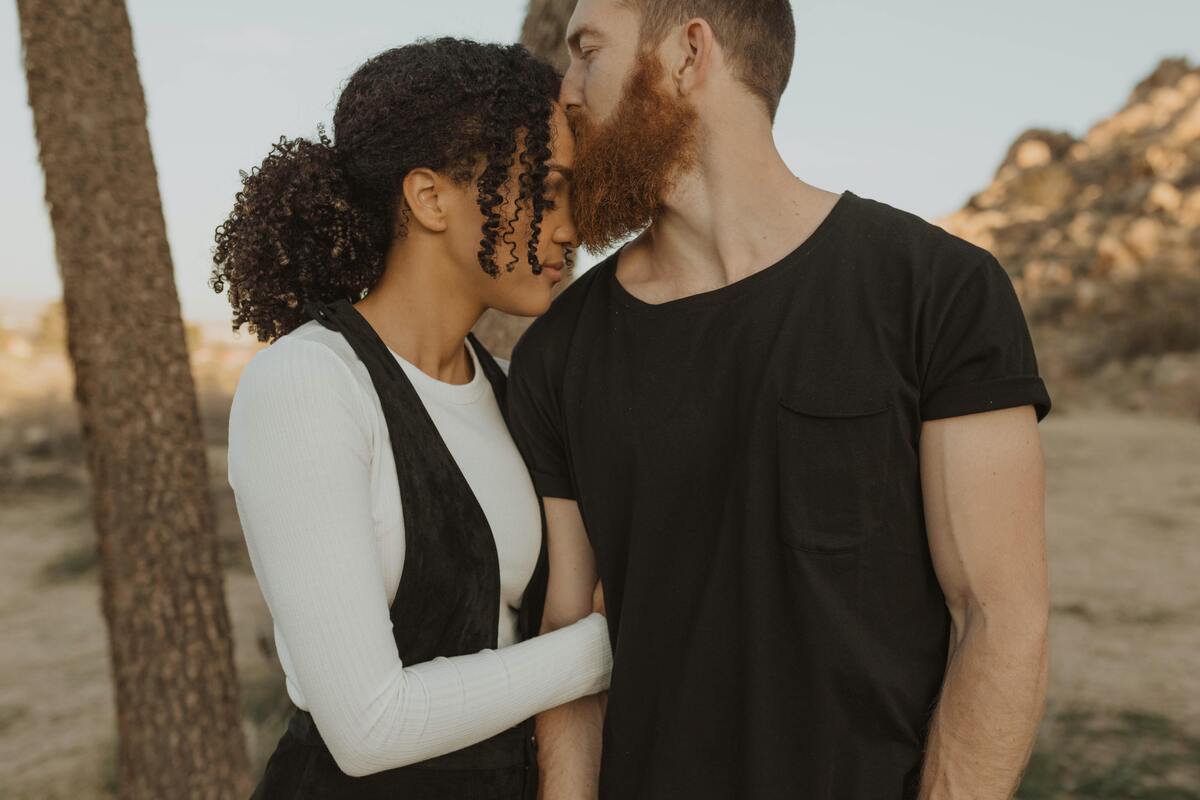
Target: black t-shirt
{"points": [[746, 463]]}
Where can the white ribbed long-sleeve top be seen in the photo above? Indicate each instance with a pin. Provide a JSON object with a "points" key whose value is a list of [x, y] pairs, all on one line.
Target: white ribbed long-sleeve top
{"points": [[311, 466]]}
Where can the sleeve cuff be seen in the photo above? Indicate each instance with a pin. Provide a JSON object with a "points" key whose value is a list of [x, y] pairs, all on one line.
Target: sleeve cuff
{"points": [[595, 653], [990, 395], [549, 485]]}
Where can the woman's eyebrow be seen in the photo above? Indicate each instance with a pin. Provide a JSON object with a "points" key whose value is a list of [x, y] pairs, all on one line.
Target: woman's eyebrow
{"points": [[566, 172]]}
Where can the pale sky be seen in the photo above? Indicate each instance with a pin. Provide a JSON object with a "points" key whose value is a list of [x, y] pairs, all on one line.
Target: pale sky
{"points": [[910, 103]]}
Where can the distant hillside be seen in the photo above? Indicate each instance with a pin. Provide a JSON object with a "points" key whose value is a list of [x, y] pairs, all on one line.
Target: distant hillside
{"points": [[1102, 238]]}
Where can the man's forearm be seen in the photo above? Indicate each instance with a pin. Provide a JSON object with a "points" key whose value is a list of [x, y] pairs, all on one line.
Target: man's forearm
{"points": [[991, 703], [569, 739]]}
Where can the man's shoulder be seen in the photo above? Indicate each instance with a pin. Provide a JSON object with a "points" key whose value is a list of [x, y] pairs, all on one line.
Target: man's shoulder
{"points": [[907, 238]]}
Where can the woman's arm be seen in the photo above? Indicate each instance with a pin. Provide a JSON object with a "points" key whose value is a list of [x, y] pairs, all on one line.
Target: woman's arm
{"points": [[299, 461]]}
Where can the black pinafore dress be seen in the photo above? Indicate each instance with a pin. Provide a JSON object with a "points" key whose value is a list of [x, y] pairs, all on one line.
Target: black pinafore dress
{"points": [[447, 603]]}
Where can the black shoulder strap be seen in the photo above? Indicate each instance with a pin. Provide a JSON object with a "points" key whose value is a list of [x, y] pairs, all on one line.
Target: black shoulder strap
{"points": [[317, 311], [494, 374]]}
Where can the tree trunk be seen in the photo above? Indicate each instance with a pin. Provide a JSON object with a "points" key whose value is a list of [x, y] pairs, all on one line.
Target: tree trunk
{"points": [[543, 33], [178, 720]]}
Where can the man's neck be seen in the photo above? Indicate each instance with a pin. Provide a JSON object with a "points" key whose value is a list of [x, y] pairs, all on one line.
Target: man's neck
{"points": [[740, 209]]}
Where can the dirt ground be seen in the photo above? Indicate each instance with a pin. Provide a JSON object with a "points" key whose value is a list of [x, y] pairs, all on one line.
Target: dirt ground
{"points": [[1124, 545]]}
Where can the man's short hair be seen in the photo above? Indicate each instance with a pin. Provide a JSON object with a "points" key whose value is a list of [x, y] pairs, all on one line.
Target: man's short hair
{"points": [[758, 37]]}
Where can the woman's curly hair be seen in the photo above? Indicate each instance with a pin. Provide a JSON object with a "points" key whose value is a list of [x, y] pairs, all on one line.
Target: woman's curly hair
{"points": [[314, 221]]}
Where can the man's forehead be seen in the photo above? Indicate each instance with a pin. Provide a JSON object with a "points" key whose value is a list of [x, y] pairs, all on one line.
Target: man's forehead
{"points": [[577, 32], [594, 18]]}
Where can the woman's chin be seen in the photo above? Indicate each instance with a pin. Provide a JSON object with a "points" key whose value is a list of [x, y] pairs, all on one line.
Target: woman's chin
{"points": [[528, 304]]}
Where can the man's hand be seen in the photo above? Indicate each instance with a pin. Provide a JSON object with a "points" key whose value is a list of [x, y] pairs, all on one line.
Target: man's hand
{"points": [[598, 598], [598, 606], [983, 481]]}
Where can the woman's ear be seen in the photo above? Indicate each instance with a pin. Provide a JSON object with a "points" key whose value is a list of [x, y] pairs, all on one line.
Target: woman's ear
{"points": [[423, 196]]}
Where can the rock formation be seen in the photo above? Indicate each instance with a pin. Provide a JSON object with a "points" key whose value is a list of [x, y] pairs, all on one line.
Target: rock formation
{"points": [[1101, 235]]}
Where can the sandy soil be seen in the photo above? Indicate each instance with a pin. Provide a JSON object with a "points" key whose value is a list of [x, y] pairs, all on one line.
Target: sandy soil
{"points": [[57, 721], [1124, 544], [1123, 526]]}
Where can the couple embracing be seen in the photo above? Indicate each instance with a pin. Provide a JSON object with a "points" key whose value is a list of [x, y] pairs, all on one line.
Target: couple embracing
{"points": [[756, 509]]}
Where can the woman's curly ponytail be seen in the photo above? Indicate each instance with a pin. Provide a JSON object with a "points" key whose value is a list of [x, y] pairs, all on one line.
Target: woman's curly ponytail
{"points": [[294, 235]]}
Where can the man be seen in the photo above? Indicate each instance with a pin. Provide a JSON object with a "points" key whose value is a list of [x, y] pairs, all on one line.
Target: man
{"points": [[794, 433]]}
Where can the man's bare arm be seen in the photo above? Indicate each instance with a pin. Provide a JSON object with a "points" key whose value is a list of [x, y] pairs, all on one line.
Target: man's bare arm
{"points": [[569, 735], [983, 481]]}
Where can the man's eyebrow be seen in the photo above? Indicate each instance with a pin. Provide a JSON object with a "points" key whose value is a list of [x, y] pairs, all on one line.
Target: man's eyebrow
{"points": [[580, 32], [566, 172]]}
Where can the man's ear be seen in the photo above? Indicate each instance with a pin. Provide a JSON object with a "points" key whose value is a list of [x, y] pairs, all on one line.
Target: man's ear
{"points": [[423, 196], [696, 43]]}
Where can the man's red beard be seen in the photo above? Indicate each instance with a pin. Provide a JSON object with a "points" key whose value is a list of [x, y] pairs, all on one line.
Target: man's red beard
{"points": [[625, 166]]}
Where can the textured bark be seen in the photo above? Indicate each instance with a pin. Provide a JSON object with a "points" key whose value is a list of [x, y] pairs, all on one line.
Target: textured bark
{"points": [[543, 32], [178, 721]]}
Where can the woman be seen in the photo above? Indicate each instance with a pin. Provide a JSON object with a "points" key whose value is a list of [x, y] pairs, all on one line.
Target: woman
{"points": [[405, 620]]}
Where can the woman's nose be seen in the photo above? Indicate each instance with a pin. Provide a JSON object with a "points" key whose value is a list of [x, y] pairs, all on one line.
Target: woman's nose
{"points": [[565, 233]]}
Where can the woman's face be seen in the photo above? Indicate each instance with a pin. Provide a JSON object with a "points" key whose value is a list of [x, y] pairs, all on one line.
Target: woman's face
{"points": [[519, 291]]}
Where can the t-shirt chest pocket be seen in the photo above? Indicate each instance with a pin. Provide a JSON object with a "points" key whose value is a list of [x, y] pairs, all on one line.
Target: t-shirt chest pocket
{"points": [[834, 461]]}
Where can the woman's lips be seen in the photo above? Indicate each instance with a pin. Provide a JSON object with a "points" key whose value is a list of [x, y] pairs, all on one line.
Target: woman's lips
{"points": [[555, 268]]}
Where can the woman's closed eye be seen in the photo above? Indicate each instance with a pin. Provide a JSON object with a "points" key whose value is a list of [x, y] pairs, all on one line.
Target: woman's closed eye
{"points": [[554, 186]]}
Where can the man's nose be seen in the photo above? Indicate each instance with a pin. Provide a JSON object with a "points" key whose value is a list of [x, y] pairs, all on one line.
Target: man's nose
{"points": [[570, 94]]}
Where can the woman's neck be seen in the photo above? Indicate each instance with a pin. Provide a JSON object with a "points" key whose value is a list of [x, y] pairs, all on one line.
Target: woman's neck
{"points": [[422, 313]]}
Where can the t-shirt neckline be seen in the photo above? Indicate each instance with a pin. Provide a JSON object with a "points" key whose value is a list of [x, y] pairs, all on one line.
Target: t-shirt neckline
{"points": [[723, 294], [458, 393]]}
